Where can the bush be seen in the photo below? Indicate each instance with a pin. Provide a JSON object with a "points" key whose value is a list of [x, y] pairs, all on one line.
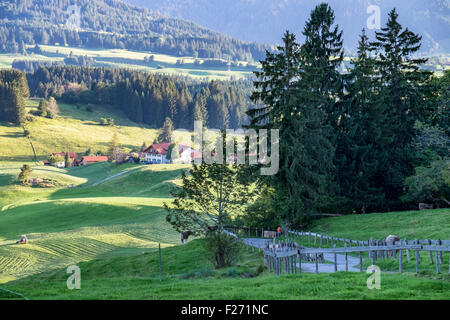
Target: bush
{"points": [[42, 108], [89, 108], [54, 159], [223, 250], [24, 173], [52, 105], [429, 184]]}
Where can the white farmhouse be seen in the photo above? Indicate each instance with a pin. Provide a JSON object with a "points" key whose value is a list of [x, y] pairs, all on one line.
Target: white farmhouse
{"points": [[157, 153]]}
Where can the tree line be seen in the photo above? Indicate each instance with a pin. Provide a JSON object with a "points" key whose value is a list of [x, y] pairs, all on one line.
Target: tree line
{"points": [[147, 98], [350, 140]]}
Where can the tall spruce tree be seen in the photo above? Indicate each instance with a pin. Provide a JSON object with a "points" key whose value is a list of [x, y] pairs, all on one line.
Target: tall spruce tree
{"points": [[405, 95], [357, 155], [166, 132], [297, 108], [13, 92], [200, 113]]}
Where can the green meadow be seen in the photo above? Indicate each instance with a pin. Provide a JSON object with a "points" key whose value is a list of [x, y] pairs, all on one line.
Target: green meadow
{"points": [[75, 130], [122, 58], [111, 229]]}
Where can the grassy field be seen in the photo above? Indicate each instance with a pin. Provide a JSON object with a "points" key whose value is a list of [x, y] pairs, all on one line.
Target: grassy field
{"points": [[188, 275], [121, 58], [70, 224], [431, 224], [75, 130], [111, 229]]}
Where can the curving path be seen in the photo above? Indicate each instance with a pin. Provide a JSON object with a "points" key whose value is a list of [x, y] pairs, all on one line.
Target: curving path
{"points": [[311, 267], [115, 176]]}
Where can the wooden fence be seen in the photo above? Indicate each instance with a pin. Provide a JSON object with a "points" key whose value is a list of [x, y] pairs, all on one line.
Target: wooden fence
{"points": [[292, 258], [320, 239], [289, 255]]}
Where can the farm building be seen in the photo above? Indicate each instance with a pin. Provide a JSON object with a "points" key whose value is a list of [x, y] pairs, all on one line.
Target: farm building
{"points": [[62, 164], [157, 153], [91, 159]]}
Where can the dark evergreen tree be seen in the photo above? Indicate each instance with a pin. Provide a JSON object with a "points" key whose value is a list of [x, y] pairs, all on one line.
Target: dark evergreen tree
{"points": [[358, 155], [200, 113], [166, 132], [406, 97]]}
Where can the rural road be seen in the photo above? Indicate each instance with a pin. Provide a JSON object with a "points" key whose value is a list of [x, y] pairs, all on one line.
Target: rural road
{"points": [[114, 176], [311, 267]]}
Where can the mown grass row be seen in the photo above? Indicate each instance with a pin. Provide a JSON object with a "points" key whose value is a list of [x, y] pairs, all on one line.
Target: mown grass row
{"points": [[187, 274]]}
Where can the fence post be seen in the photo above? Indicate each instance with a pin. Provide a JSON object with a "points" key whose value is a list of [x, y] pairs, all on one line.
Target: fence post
{"points": [[279, 267], [346, 258], [440, 252], [417, 260], [395, 252], [315, 240], [321, 236], [299, 262], [335, 260], [386, 252], [407, 252], [272, 267], [317, 263], [418, 257], [309, 237], [360, 261], [293, 264], [160, 259], [431, 252], [400, 266], [437, 263]]}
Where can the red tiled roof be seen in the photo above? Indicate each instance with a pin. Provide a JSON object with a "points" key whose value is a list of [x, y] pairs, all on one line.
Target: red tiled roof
{"points": [[95, 158], [162, 148]]}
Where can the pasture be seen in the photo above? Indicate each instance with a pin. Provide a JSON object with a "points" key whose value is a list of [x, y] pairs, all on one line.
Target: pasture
{"points": [[67, 225], [122, 58], [111, 229]]}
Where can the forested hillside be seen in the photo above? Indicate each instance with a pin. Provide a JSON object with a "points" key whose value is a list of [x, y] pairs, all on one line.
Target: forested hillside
{"points": [[113, 24], [147, 98]]}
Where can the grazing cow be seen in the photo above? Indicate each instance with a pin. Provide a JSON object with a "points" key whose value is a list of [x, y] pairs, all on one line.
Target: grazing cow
{"points": [[391, 240], [184, 235]]}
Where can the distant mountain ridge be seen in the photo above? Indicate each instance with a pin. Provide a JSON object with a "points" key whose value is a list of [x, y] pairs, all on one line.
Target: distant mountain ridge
{"points": [[113, 24], [266, 20]]}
